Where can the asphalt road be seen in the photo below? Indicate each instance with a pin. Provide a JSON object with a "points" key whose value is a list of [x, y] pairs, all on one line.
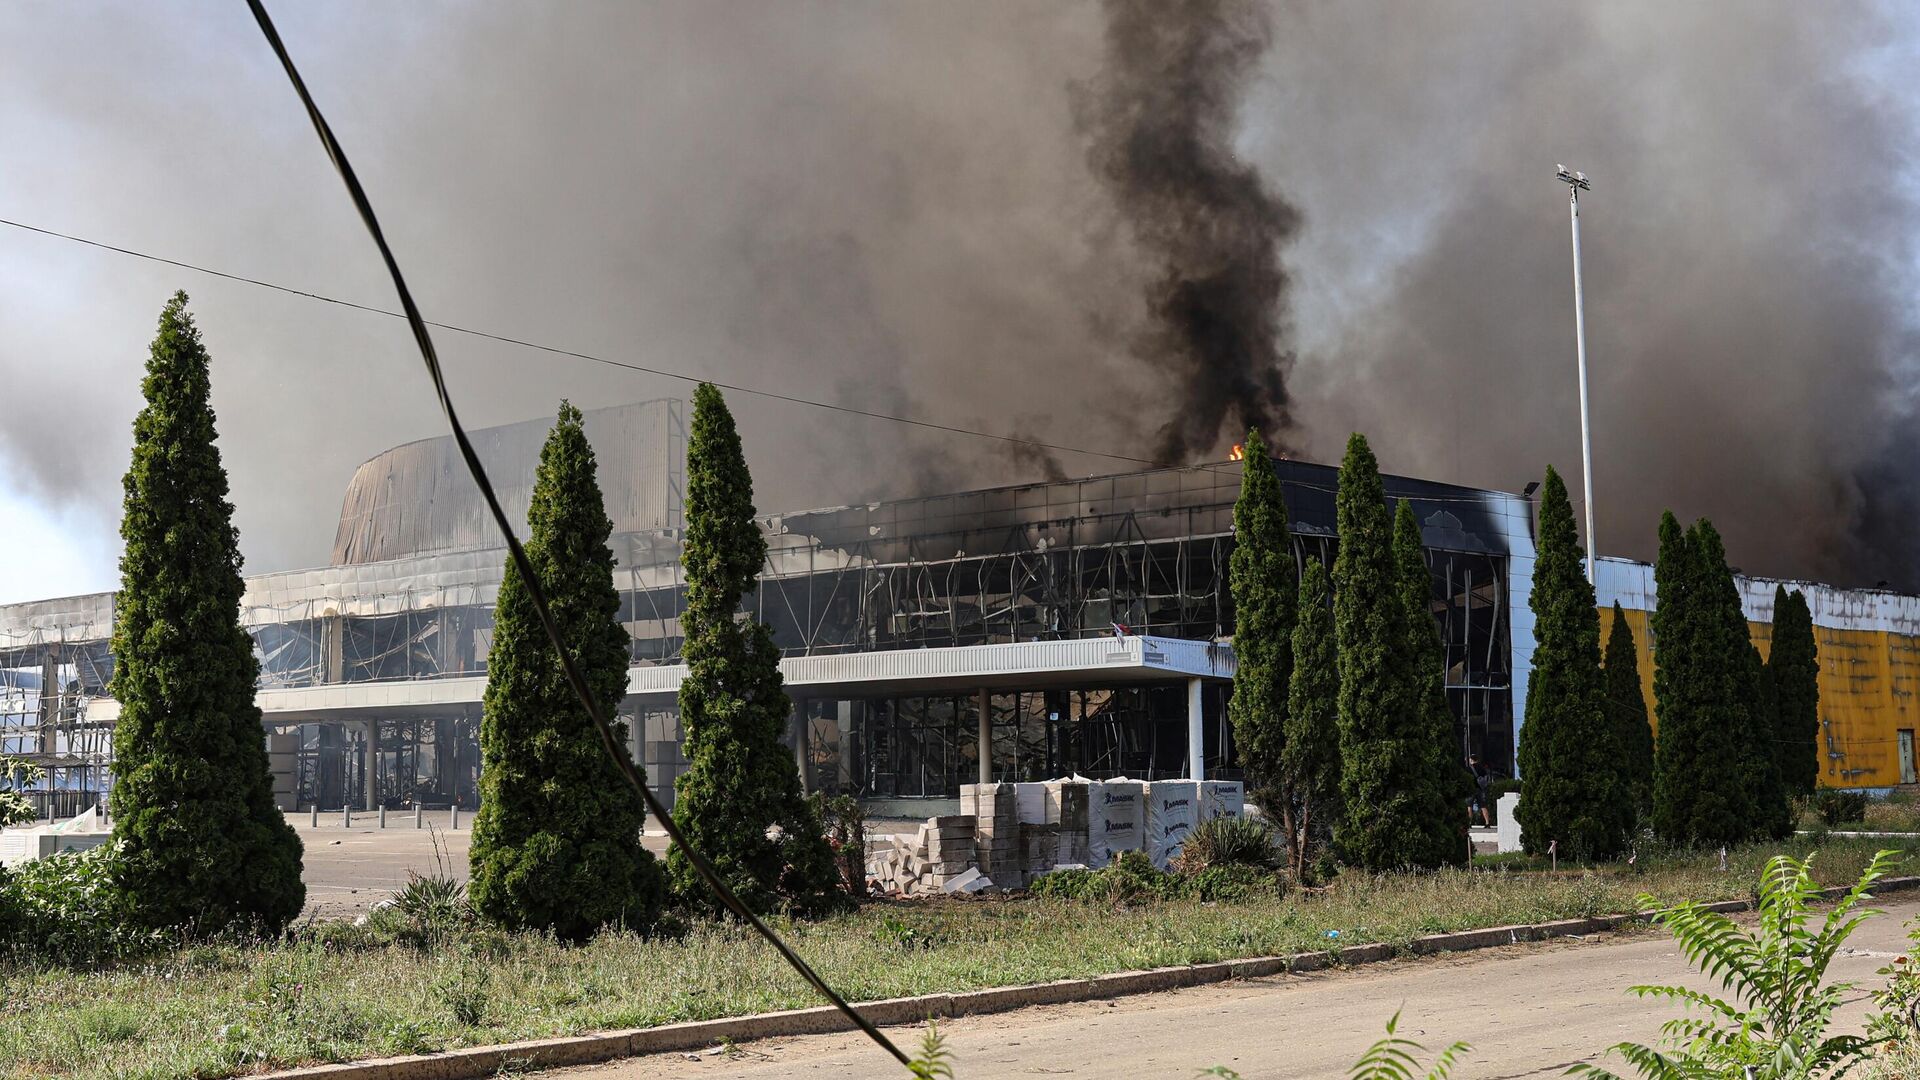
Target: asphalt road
{"points": [[1528, 1010]]}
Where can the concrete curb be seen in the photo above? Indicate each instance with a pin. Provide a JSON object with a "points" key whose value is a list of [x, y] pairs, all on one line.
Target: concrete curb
{"points": [[484, 1061]]}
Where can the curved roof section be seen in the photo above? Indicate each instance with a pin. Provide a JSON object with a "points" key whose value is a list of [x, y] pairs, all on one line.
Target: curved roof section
{"points": [[417, 499]]}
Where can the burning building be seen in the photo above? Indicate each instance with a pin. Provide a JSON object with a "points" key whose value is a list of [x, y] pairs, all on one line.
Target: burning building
{"points": [[1074, 625]]}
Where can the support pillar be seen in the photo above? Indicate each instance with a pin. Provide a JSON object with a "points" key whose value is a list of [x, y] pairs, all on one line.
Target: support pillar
{"points": [[797, 725], [986, 736], [1196, 730], [371, 778]]}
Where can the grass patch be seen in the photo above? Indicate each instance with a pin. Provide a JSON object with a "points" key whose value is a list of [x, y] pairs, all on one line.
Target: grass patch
{"points": [[335, 992]]}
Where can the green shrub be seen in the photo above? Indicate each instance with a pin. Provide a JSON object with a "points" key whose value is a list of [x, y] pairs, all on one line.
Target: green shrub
{"points": [[845, 822], [1070, 884], [1229, 842], [64, 909], [1130, 878], [1837, 807], [1233, 882], [431, 909]]}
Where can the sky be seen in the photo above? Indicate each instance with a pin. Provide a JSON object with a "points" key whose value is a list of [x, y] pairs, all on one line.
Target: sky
{"points": [[913, 208]]}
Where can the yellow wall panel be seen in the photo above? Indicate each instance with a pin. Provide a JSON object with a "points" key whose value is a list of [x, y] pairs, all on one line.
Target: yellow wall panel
{"points": [[1868, 685]]}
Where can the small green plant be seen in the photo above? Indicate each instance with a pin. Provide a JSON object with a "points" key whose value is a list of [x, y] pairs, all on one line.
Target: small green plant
{"points": [[1392, 1058], [845, 822], [1228, 842], [1774, 1022], [463, 990], [1837, 807], [935, 1061], [904, 935]]}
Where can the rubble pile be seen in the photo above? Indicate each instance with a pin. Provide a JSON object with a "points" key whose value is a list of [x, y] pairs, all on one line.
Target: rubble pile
{"points": [[1008, 834]]}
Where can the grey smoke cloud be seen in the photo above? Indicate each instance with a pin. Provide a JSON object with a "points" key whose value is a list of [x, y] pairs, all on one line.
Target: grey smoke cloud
{"points": [[902, 207]]}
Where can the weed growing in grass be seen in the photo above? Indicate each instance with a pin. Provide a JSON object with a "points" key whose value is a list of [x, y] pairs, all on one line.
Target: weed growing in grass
{"points": [[463, 990]]}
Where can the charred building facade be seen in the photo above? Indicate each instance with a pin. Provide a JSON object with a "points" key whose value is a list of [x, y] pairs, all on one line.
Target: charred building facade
{"points": [[1019, 632]]}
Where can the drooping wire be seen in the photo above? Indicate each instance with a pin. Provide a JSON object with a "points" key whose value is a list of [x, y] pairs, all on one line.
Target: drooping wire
{"points": [[555, 350], [535, 592], [669, 373]]}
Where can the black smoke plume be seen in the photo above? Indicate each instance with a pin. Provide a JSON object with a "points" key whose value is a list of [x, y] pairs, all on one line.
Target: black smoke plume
{"points": [[1160, 120]]}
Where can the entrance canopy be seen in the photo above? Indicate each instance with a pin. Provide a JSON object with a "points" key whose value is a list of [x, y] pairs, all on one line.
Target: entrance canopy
{"points": [[1024, 665]]}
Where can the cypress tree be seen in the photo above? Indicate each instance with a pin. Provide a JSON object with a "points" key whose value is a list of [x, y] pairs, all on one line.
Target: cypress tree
{"points": [[1627, 706], [202, 845], [1702, 792], [1730, 664], [1794, 664], [739, 802], [1386, 773], [556, 844], [1451, 785], [1264, 592], [1310, 756], [1572, 786]]}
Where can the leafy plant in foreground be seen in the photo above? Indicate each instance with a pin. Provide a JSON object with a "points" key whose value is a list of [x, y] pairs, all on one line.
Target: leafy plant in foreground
{"points": [[935, 1061], [16, 775], [1392, 1058], [1773, 1025]]}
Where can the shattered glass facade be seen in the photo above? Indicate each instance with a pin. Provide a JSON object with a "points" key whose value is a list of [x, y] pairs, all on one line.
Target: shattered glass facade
{"points": [[1146, 551]]}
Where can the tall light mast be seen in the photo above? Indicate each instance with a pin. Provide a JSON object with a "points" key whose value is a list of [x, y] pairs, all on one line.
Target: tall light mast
{"points": [[1576, 183]]}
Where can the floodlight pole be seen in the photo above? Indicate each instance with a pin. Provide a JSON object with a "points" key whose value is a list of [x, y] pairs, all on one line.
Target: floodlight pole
{"points": [[1576, 183]]}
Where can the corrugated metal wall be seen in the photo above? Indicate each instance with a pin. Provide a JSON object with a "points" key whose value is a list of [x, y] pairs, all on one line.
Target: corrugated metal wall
{"points": [[1869, 643]]}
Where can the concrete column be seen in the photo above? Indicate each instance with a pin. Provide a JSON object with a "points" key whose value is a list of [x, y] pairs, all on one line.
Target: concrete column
{"points": [[797, 724], [1196, 730], [372, 784], [986, 736]]}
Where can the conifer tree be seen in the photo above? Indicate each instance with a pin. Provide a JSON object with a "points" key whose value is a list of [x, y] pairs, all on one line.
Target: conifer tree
{"points": [[1386, 766], [1794, 664], [1702, 689], [556, 844], [1265, 589], [739, 802], [1627, 707], [203, 847], [1733, 664], [1451, 784], [1310, 757], [1572, 787]]}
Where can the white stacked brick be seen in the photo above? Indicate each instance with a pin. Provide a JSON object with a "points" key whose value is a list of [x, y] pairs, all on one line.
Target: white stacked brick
{"points": [[1222, 798], [1173, 808], [1067, 813], [997, 847], [1116, 819]]}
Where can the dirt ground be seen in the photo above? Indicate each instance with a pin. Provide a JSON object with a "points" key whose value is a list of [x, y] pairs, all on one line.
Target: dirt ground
{"points": [[1528, 1010], [348, 869]]}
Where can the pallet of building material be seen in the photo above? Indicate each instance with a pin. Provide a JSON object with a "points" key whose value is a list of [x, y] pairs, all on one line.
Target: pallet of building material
{"points": [[1040, 847], [1173, 808], [1222, 798], [1030, 802], [1116, 819], [1067, 813]]}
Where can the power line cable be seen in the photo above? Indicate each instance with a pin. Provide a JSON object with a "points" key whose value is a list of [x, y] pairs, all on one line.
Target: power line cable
{"points": [[424, 340], [555, 350], [668, 373]]}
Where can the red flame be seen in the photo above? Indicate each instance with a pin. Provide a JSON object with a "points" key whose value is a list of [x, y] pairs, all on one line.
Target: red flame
{"points": [[1239, 453]]}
